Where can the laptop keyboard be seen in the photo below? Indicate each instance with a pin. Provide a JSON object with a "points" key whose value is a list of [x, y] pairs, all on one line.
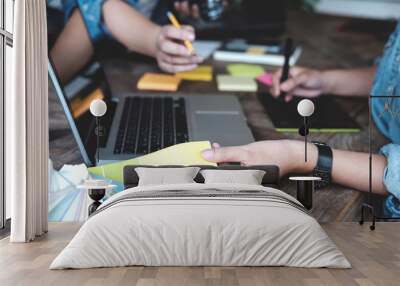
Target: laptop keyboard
{"points": [[151, 123]]}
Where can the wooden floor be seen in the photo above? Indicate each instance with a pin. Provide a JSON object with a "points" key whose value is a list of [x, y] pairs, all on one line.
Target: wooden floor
{"points": [[325, 45], [374, 255]]}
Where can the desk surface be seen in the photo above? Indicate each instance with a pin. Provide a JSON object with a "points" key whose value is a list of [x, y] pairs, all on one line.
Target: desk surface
{"points": [[374, 255], [324, 47]]}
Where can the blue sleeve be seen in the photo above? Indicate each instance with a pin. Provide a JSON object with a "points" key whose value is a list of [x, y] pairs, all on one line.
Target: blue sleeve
{"points": [[391, 179], [91, 11], [391, 176]]}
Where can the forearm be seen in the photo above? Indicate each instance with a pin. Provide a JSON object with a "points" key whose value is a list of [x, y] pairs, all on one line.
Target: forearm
{"points": [[350, 169], [354, 82], [130, 27], [73, 48]]}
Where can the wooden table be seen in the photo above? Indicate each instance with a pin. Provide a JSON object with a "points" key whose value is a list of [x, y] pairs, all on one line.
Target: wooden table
{"points": [[324, 47], [375, 259]]}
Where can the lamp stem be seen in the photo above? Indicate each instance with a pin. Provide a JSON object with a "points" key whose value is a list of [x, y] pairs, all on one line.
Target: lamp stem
{"points": [[97, 139], [305, 138], [370, 148]]}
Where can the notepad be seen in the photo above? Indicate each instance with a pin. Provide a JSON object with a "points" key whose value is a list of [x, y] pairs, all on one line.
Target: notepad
{"points": [[256, 50], [246, 70], [155, 81], [266, 79], [202, 73], [236, 83], [181, 154], [240, 50]]}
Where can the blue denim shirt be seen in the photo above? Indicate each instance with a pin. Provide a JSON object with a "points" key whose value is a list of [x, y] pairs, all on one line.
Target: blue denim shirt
{"points": [[92, 13], [386, 115]]}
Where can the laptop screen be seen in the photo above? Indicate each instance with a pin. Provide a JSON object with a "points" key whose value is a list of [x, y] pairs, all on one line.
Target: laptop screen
{"points": [[76, 97]]}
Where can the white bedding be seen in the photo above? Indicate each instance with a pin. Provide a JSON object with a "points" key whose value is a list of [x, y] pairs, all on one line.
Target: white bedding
{"points": [[269, 228]]}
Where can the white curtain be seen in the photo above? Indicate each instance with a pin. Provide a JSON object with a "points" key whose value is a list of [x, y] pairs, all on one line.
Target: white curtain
{"points": [[27, 123]]}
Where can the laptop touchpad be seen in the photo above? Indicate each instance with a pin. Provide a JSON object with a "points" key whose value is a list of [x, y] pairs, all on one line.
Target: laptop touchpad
{"points": [[225, 128]]}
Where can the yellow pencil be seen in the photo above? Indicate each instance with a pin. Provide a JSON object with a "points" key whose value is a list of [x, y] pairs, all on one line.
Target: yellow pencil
{"points": [[175, 22]]}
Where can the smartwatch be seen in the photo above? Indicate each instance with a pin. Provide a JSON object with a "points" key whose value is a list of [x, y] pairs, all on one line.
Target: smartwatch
{"points": [[323, 169]]}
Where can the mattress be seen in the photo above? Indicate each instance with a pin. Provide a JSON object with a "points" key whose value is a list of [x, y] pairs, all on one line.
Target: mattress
{"points": [[201, 225]]}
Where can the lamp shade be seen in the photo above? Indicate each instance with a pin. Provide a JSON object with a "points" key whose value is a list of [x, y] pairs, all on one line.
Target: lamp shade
{"points": [[305, 107], [98, 108]]}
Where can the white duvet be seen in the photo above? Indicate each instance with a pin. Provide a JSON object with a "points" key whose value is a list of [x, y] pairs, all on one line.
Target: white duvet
{"points": [[185, 230]]}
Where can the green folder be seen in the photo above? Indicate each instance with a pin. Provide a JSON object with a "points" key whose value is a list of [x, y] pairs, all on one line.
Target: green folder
{"points": [[181, 154]]}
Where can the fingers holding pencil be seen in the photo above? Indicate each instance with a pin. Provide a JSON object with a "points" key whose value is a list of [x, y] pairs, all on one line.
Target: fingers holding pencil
{"points": [[176, 24], [171, 55]]}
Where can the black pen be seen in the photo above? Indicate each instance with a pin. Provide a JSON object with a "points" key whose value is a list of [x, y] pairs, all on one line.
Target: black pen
{"points": [[286, 65]]}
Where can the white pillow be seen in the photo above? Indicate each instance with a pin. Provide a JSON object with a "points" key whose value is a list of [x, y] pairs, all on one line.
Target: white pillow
{"points": [[248, 177], [165, 176]]}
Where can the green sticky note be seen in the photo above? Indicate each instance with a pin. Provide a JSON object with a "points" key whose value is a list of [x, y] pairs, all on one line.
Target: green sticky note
{"points": [[245, 70], [181, 154]]}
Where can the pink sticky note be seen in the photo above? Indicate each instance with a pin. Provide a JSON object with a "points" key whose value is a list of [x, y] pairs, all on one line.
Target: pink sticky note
{"points": [[265, 78]]}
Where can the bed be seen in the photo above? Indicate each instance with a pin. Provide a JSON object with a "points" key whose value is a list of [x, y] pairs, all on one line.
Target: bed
{"points": [[201, 224]]}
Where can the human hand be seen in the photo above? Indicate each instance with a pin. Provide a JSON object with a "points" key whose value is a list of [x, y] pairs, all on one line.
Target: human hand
{"points": [[302, 82], [288, 155], [172, 56]]}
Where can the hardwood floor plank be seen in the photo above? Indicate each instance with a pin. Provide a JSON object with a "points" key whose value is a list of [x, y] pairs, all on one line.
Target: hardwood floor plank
{"points": [[375, 259]]}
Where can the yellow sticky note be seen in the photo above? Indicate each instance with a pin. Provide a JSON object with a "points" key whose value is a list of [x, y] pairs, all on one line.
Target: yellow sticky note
{"points": [[181, 154], [155, 81], [245, 70], [236, 83], [256, 50], [202, 73]]}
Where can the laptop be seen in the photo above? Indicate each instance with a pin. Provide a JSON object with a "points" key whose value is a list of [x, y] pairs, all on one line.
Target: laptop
{"points": [[139, 123], [328, 117]]}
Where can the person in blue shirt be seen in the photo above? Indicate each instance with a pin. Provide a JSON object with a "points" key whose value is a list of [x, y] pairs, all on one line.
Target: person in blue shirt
{"points": [[130, 23], [349, 168]]}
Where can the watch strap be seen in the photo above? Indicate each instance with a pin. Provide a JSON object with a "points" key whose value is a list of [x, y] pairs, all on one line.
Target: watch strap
{"points": [[324, 162], [323, 168]]}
